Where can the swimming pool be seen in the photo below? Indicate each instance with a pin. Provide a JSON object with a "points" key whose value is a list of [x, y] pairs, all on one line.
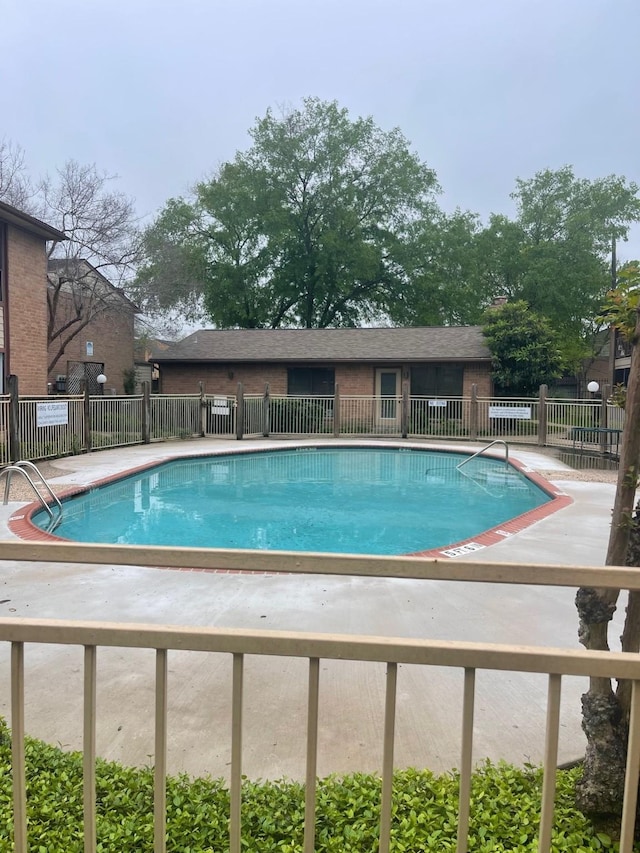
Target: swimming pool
{"points": [[341, 500]]}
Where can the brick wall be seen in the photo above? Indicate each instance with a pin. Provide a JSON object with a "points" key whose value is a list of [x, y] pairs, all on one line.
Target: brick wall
{"points": [[224, 379], [480, 375], [27, 299], [112, 336]]}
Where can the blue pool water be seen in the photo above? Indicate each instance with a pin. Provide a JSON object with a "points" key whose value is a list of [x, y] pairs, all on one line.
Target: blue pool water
{"points": [[344, 500]]}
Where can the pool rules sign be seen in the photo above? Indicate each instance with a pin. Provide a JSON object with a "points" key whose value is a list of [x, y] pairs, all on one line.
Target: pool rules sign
{"points": [[52, 414]]}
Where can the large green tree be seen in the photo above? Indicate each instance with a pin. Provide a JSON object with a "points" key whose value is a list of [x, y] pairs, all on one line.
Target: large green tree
{"points": [[308, 227], [554, 254], [525, 351], [443, 287]]}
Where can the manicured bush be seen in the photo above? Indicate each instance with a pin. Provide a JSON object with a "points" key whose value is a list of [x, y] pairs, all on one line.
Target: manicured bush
{"points": [[504, 810]]}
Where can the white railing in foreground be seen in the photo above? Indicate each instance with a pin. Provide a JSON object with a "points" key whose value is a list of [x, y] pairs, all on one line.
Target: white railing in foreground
{"points": [[469, 657], [4, 430]]}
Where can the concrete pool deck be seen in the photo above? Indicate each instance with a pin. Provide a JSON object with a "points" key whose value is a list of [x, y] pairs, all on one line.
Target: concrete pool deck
{"points": [[510, 707]]}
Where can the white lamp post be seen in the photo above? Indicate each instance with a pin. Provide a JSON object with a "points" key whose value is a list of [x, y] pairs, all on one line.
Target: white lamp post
{"points": [[101, 379], [593, 387]]}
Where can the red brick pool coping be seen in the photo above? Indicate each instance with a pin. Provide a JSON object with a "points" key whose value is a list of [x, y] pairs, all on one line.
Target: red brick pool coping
{"points": [[559, 500], [20, 523]]}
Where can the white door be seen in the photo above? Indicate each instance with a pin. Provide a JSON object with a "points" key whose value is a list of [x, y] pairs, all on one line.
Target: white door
{"points": [[389, 394]]}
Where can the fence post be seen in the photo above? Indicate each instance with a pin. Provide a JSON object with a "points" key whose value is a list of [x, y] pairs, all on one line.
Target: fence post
{"points": [[146, 413], [203, 411], [404, 414], [266, 412], [473, 413], [604, 411], [604, 419], [240, 412], [542, 415], [14, 419], [84, 385], [336, 411]]}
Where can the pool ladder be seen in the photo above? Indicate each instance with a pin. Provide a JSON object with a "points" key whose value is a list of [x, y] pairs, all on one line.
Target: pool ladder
{"points": [[484, 449], [23, 467]]}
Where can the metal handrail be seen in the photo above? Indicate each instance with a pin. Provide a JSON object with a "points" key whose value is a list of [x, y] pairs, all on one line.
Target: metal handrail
{"points": [[483, 449], [20, 468]]}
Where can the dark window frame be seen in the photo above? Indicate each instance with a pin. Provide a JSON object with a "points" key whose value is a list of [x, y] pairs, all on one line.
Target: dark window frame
{"points": [[311, 381], [437, 379]]}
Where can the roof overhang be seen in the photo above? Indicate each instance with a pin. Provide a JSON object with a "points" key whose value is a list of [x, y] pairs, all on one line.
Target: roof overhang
{"points": [[324, 360], [29, 223]]}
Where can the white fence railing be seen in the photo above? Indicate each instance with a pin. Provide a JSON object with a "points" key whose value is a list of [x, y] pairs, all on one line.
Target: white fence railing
{"points": [[175, 416], [48, 427], [434, 417], [115, 421], [301, 415], [220, 415], [253, 415], [24, 636], [509, 418], [4, 430]]}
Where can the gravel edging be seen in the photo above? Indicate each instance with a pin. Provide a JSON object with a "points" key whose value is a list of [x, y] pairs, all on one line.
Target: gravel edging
{"points": [[586, 476], [21, 490]]}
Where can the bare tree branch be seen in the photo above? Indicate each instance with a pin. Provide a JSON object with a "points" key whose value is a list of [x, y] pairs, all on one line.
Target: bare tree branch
{"points": [[15, 185], [99, 257]]}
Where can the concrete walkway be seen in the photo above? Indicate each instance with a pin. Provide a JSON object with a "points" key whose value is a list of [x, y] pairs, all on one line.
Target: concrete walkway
{"points": [[510, 708]]}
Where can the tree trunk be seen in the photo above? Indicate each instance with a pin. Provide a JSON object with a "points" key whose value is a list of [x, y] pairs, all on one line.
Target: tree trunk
{"points": [[605, 713]]}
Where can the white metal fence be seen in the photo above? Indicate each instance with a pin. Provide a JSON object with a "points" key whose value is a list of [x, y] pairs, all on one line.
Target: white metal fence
{"points": [[449, 417], [220, 415], [115, 421], [175, 416], [300, 415], [253, 415], [4, 430], [48, 427], [315, 648], [511, 419]]}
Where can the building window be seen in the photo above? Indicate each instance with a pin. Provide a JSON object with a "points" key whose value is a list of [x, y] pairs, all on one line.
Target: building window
{"points": [[623, 347], [310, 381], [437, 380]]}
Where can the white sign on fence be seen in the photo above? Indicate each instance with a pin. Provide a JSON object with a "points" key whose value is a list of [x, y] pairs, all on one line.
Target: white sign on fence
{"points": [[52, 414], [439, 404], [220, 406], [522, 413]]}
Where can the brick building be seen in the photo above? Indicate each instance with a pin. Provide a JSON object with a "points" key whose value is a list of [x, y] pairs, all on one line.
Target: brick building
{"points": [[23, 299], [437, 361], [97, 320]]}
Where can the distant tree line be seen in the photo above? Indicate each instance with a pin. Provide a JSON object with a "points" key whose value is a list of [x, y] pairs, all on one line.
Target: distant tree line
{"points": [[328, 221]]}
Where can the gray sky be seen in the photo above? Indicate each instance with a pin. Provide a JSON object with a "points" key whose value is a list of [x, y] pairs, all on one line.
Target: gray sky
{"points": [[160, 93]]}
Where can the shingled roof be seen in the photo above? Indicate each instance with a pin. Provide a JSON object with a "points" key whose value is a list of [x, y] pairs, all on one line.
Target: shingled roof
{"points": [[432, 343]]}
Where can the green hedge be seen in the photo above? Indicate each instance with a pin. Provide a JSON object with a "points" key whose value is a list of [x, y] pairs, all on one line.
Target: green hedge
{"points": [[505, 810]]}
